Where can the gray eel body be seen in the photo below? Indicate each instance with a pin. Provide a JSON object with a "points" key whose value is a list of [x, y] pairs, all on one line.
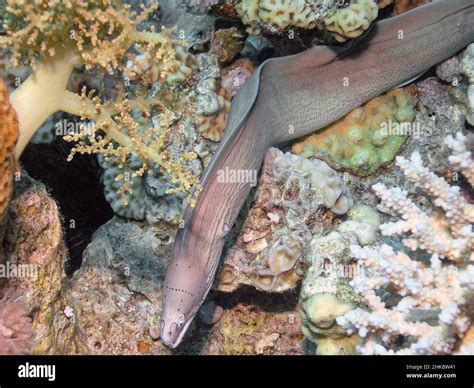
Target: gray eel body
{"points": [[287, 98]]}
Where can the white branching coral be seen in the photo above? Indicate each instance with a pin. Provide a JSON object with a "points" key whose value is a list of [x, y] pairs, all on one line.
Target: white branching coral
{"points": [[448, 233], [461, 158], [409, 305], [429, 315]]}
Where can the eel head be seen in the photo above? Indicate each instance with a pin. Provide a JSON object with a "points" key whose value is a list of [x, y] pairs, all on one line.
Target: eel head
{"points": [[187, 283]]}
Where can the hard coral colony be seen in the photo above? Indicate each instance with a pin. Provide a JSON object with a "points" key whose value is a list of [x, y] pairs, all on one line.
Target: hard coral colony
{"points": [[260, 202]]}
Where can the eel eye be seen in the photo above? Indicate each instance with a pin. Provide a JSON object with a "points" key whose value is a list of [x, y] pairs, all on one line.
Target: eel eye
{"points": [[181, 321]]}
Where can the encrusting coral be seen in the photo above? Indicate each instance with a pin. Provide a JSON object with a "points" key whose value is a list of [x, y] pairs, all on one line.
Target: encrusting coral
{"points": [[326, 293], [212, 126], [8, 137], [295, 199], [368, 137], [55, 37], [425, 308]]}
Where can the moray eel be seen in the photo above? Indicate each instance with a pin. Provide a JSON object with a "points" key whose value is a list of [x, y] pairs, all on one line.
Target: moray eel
{"points": [[287, 98]]}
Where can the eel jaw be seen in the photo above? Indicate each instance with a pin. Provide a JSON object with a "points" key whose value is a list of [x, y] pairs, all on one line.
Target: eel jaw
{"points": [[173, 336]]}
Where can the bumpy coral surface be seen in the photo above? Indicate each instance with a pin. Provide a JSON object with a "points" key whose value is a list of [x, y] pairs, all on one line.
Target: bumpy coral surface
{"points": [[212, 126], [226, 44], [427, 311], [368, 137], [467, 68], [291, 205], [278, 15], [16, 333], [353, 20], [34, 247], [326, 293], [8, 136], [344, 21]]}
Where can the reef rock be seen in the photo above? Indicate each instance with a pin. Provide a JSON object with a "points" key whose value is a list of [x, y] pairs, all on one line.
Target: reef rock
{"points": [[326, 293], [295, 199], [35, 255], [116, 294]]}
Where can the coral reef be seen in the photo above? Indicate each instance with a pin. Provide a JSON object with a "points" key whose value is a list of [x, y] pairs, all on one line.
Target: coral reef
{"points": [[424, 306], [467, 68], [246, 330], [16, 333], [326, 293], [212, 126], [291, 204], [226, 44], [344, 22], [447, 235], [36, 254], [116, 294], [277, 16], [368, 137], [351, 21], [105, 37], [8, 137]]}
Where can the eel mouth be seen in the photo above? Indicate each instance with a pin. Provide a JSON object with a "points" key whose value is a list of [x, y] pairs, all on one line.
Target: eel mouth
{"points": [[173, 335]]}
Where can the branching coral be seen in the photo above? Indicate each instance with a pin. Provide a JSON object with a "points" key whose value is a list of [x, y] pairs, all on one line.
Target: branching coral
{"points": [[429, 316], [448, 233], [16, 332], [426, 308], [56, 36]]}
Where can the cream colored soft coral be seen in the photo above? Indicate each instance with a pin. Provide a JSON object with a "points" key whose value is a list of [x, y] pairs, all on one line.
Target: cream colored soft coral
{"points": [[56, 36]]}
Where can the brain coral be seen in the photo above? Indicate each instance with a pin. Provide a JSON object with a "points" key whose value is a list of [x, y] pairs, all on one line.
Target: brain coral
{"points": [[8, 137], [352, 21], [368, 137], [278, 15]]}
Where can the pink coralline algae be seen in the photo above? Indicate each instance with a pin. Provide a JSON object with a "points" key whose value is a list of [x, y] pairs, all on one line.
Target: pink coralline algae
{"points": [[234, 76], [432, 93], [16, 332]]}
